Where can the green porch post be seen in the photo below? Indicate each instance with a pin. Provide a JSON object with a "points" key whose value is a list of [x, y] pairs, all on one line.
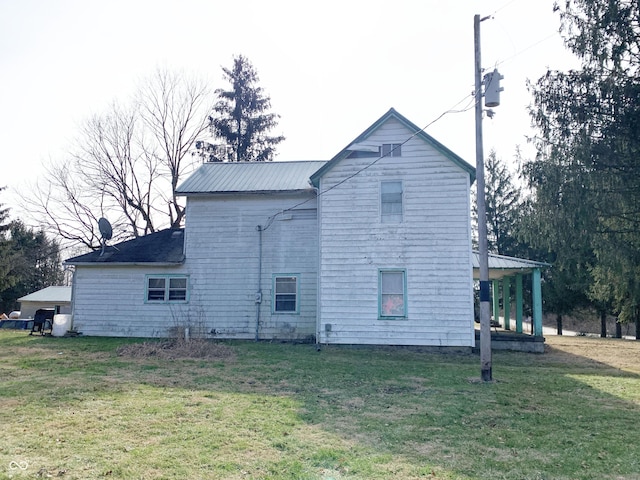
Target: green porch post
{"points": [[506, 300], [496, 300], [537, 303], [519, 303]]}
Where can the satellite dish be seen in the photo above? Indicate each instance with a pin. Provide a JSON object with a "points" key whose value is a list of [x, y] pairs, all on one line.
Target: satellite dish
{"points": [[105, 228], [106, 231]]}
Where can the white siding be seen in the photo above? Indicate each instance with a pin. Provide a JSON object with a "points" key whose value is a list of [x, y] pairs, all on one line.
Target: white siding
{"points": [[221, 248], [110, 301], [222, 251], [433, 245]]}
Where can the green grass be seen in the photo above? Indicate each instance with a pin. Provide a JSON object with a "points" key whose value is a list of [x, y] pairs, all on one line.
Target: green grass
{"points": [[73, 407]]}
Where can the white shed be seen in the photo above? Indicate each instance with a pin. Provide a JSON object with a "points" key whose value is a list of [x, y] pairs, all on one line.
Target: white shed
{"points": [[57, 298]]}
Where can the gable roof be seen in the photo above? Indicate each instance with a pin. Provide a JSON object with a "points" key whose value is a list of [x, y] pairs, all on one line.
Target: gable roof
{"points": [[250, 177], [418, 132], [165, 247], [54, 294]]}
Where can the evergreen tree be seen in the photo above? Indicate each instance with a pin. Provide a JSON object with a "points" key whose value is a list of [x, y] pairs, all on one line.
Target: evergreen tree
{"points": [[503, 206], [8, 276], [586, 179], [241, 118], [35, 264]]}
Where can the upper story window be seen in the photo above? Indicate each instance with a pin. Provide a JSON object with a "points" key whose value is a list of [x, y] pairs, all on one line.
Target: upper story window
{"points": [[391, 201], [391, 150], [166, 288]]}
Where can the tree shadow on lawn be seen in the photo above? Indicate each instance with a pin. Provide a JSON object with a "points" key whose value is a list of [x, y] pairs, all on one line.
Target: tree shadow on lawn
{"points": [[355, 413]]}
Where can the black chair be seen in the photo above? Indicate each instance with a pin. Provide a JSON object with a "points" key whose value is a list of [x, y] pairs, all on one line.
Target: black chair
{"points": [[42, 321]]}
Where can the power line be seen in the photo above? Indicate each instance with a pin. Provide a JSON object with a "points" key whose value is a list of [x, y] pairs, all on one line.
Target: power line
{"points": [[517, 54], [452, 109]]}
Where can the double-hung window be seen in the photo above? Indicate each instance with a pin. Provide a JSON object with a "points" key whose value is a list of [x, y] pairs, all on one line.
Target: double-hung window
{"points": [[392, 293], [391, 201], [166, 288], [285, 294]]}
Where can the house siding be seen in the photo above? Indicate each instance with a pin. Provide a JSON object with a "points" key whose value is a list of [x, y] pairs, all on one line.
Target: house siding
{"points": [[110, 301], [222, 251], [432, 244]]}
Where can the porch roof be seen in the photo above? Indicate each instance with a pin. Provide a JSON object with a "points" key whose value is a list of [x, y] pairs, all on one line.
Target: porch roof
{"points": [[502, 266]]}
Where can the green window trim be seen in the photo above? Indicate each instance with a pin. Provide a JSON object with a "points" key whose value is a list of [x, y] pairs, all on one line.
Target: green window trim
{"points": [[166, 288], [392, 293], [285, 297]]}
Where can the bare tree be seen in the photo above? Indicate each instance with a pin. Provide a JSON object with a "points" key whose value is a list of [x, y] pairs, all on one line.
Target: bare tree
{"points": [[173, 109], [126, 164]]}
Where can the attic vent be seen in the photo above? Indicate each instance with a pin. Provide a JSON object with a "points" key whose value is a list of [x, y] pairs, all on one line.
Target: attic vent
{"points": [[391, 150]]}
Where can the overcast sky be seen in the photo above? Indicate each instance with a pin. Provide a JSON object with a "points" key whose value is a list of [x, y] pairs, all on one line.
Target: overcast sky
{"points": [[331, 68]]}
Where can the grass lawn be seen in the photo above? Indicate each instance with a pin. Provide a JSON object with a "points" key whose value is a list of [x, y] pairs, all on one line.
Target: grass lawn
{"points": [[75, 408]]}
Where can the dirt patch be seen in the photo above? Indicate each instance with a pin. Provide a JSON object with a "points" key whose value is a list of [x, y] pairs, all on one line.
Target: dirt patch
{"points": [[177, 349], [588, 352]]}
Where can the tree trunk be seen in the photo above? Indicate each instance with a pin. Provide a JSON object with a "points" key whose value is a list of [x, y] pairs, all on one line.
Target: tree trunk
{"points": [[618, 329], [603, 324], [637, 324], [559, 324]]}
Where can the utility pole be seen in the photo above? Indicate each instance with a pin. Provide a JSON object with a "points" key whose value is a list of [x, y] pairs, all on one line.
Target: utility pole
{"points": [[485, 294]]}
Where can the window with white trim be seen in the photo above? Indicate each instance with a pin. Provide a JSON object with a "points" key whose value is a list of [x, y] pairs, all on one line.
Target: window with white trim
{"points": [[285, 294], [391, 201], [166, 288], [392, 293], [391, 150]]}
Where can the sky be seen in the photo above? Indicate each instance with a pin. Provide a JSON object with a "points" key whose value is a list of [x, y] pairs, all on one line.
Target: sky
{"points": [[331, 68]]}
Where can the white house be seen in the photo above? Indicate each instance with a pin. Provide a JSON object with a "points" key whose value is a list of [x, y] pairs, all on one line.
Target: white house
{"points": [[371, 247]]}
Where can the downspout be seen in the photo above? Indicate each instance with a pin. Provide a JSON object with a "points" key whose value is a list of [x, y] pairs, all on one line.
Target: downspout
{"points": [[318, 266], [73, 296], [258, 297]]}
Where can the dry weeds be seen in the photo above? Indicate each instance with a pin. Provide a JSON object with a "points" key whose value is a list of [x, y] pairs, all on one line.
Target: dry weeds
{"points": [[178, 349]]}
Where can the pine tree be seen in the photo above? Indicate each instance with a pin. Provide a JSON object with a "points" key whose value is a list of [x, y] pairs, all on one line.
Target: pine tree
{"points": [[34, 263], [241, 118], [586, 179], [8, 276]]}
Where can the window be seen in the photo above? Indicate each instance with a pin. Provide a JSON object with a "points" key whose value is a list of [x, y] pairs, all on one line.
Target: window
{"points": [[391, 150], [391, 202], [166, 288], [392, 293], [285, 294]]}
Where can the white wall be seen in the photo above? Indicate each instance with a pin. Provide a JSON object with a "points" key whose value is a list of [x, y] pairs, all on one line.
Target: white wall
{"points": [[433, 244], [222, 255], [110, 301], [28, 309]]}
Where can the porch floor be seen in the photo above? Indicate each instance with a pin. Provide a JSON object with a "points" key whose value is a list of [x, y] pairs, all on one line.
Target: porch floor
{"points": [[510, 340]]}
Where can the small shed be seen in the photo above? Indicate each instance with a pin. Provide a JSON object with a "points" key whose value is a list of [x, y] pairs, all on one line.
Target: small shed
{"points": [[57, 298]]}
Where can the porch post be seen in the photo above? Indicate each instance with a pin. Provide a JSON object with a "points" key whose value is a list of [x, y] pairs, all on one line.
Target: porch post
{"points": [[519, 303], [537, 302], [495, 287], [506, 300]]}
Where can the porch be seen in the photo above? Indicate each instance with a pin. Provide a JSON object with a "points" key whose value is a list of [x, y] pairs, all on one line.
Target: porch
{"points": [[507, 278]]}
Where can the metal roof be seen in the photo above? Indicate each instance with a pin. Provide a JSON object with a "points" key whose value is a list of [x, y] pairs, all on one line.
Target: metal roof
{"points": [[250, 177], [49, 295], [503, 266]]}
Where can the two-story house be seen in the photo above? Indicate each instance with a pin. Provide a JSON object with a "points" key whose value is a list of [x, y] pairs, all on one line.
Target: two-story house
{"points": [[371, 247]]}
